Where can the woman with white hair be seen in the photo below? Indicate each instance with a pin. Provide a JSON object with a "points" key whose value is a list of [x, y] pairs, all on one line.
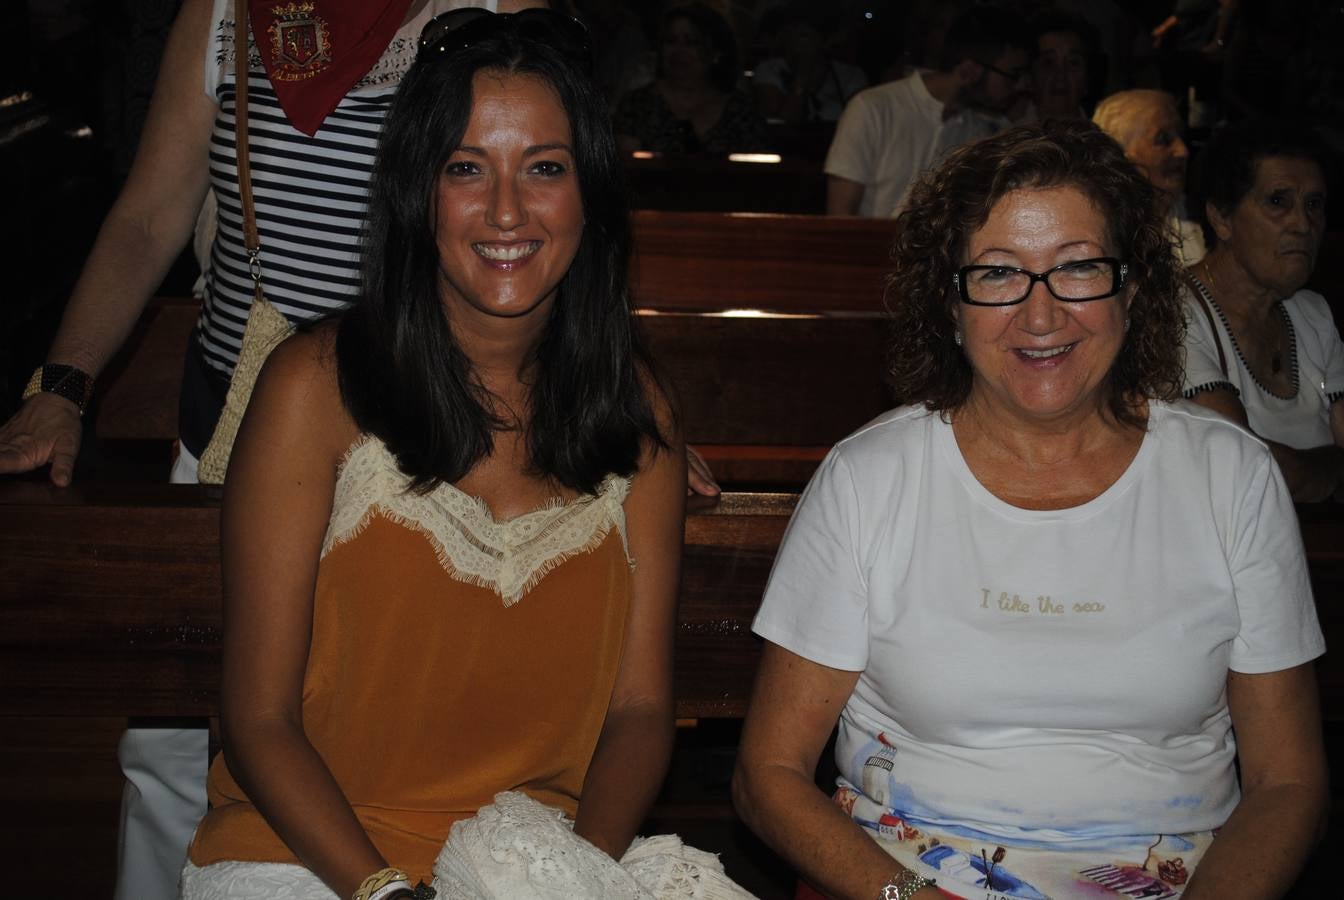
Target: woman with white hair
{"points": [[1146, 125]]}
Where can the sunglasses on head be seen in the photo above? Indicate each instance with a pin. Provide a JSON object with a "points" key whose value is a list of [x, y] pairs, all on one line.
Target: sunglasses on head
{"points": [[459, 29]]}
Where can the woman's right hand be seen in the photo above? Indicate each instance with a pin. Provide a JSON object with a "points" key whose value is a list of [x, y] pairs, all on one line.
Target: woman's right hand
{"points": [[46, 429]]}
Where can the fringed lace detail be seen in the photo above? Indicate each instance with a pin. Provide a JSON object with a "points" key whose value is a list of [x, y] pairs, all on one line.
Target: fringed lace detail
{"points": [[508, 557]]}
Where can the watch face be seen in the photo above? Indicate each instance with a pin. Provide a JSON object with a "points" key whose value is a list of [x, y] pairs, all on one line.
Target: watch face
{"points": [[902, 886]]}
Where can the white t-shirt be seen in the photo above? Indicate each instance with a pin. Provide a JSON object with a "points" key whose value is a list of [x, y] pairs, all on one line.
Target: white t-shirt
{"points": [[1315, 365], [1045, 676], [890, 134]]}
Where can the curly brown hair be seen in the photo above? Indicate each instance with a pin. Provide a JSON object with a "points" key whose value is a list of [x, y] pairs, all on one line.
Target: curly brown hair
{"points": [[953, 201]]}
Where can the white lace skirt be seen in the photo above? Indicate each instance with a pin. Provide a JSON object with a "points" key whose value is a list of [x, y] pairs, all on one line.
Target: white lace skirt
{"points": [[252, 881], [514, 849]]}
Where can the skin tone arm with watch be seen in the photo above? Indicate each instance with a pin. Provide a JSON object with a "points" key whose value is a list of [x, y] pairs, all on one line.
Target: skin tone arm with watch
{"points": [[794, 708], [1038, 432], [148, 225]]}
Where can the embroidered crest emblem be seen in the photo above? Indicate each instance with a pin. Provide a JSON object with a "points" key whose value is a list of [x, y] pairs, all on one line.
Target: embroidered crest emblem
{"points": [[300, 42]]}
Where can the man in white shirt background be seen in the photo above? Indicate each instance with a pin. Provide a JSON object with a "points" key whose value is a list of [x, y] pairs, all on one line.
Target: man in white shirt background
{"points": [[890, 134]]}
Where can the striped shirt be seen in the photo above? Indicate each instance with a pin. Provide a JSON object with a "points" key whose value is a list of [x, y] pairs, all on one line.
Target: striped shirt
{"points": [[310, 193]]}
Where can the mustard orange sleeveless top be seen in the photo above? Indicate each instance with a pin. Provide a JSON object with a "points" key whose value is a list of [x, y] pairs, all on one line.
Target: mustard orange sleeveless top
{"points": [[453, 656]]}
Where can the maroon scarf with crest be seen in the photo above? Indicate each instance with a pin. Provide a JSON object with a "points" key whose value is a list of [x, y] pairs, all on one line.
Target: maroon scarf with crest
{"points": [[315, 51]]}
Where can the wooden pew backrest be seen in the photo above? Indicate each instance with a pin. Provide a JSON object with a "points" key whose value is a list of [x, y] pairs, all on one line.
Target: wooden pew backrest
{"points": [[688, 262], [780, 263], [110, 600], [763, 398]]}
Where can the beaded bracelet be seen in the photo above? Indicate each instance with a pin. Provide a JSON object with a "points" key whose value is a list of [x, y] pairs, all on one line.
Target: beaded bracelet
{"points": [[63, 381]]}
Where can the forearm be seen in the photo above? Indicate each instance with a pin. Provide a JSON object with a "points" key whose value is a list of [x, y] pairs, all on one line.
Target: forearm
{"points": [[1312, 475], [802, 824], [273, 761], [624, 777], [125, 267], [843, 197], [1263, 846]]}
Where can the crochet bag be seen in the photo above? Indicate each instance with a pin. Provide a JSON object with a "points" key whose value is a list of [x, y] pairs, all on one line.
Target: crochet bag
{"points": [[266, 326]]}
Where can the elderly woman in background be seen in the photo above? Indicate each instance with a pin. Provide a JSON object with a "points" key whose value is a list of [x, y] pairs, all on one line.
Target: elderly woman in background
{"points": [[1146, 124], [1260, 349], [1036, 697], [694, 105]]}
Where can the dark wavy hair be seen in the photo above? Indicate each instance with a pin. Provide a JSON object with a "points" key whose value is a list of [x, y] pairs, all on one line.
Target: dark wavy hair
{"points": [[1226, 171], [724, 70], [950, 203], [402, 374]]}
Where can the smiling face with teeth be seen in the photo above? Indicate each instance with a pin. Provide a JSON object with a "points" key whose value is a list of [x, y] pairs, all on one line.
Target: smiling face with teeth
{"points": [[1042, 360], [509, 214]]}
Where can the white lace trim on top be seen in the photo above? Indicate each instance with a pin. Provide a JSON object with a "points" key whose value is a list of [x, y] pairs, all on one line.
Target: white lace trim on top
{"points": [[508, 557]]}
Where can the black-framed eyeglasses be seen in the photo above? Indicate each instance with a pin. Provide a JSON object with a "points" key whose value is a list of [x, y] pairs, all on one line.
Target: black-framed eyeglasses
{"points": [[1073, 282], [1013, 75], [458, 29]]}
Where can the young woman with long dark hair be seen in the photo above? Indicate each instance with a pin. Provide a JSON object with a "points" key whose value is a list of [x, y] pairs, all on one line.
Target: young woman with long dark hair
{"points": [[452, 521]]}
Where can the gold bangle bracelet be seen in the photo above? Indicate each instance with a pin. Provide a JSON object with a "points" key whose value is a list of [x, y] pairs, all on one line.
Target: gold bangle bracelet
{"points": [[378, 880]]}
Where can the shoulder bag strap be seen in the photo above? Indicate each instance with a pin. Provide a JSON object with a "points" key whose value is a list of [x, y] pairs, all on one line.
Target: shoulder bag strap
{"points": [[1202, 295], [251, 237]]}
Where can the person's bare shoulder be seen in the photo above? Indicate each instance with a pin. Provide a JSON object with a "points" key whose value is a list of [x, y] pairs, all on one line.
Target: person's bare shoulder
{"points": [[300, 385]]}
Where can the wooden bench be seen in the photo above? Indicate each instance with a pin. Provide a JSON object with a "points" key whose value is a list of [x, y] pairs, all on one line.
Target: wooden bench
{"points": [[762, 397], [110, 599], [780, 263], [109, 607], [763, 391]]}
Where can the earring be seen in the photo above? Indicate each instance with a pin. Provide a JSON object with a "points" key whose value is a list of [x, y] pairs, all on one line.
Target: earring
{"points": [[956, 337], [1126, 326]]}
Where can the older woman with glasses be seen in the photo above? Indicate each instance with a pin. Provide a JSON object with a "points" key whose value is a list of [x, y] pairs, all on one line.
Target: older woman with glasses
{"points": [[1040, 598], [452, 521]]}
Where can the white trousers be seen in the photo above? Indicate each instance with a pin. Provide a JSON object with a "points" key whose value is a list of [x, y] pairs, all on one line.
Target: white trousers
{"points": [[163, 797]]}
